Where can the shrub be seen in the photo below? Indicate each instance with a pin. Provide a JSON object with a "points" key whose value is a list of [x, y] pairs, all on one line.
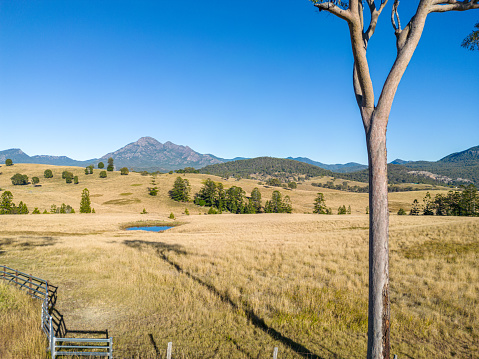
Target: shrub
{"points": [[401, 212], [212, 210], [66, 174], [48, 173], [172, 216], [144, 211], [22, 208], [8, 162], [153, 191], [103, 174], [75, 179], [124, 171], [19, 179], [6, 204], [342, 210], [35, 180], [101, 165], [36, 211]]}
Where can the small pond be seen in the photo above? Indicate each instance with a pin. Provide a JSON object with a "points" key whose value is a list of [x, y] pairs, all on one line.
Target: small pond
{"points": [[149, 228]]}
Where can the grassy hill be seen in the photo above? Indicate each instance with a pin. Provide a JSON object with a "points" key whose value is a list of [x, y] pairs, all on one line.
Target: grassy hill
{"points": [[235, 286]]}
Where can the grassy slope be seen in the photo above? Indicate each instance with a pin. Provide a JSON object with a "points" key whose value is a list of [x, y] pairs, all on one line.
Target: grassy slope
{"points": [[239, 285]]}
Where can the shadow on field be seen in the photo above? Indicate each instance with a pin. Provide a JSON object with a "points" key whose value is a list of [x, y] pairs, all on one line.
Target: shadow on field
{"points": [[26, 242], [253, 318]]}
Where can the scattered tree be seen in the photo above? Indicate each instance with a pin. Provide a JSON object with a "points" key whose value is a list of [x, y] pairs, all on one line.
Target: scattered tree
{"points": [[8, 162], [48, 173], [401, 212], [255, 200], [19, 179], [110, 166], [22, 208], [415, 208], [35, 180], [292, 185], [6, 204], [124, 171], [153, 191], [375, 119], [36, 211], [277, 204], [172, 216], [75, 180], [181, 190], [85, 203], [102, 174], [428, 207], [320, 204], [342, 210], [101, 165]]}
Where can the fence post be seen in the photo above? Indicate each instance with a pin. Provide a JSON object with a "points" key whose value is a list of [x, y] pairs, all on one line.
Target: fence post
{"points": [[275, 353], [16, 277], [110, 355], [169, 350], [30, 285]]}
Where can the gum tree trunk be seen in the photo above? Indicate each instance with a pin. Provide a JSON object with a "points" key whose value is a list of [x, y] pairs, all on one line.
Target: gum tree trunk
{"points": [[379, 314]]}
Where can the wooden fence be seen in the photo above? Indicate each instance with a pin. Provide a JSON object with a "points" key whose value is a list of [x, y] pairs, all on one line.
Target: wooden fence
{"points": [[53, 324]]}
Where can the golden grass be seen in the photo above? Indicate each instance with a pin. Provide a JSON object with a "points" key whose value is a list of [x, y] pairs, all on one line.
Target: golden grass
{"points": [[239, 285]]}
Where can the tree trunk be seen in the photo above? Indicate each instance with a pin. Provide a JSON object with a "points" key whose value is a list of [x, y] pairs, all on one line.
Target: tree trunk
{"points": [[378, 320]]}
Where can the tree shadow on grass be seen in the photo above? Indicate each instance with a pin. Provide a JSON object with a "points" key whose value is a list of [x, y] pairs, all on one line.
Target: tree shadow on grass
{"points": [[253, 318]]}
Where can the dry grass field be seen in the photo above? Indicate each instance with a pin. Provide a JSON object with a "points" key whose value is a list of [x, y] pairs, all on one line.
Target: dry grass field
{"points": [[233, 286]]}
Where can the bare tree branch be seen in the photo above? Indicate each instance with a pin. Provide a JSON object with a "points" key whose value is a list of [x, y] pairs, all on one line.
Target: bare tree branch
{"points": [[453, 5], [331, 7], [374, 18]]}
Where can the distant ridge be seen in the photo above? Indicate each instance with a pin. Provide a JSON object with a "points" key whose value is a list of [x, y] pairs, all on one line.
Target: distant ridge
{"points": [[338, 168]]}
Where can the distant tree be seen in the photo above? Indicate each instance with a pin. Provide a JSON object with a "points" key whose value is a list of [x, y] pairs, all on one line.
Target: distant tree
{"points": [[342, 210], [275, 182], [87, 171], [207, 194], [90, 168], [124, 171], [35, 180], [36, 211], [428, 207], [235, 200], [292, 185], [471, 42], [19, 179], [75, 180], [415, 208], [69, 177], [153, 191], [48, 173], [101, 165], [22, 208], [181, 190], [66, 174], [320, 204], [277, 204], [255, 200], [8, 162], [172, 216], [6, 204], [85, 203], [110, 164], [102, 174]]}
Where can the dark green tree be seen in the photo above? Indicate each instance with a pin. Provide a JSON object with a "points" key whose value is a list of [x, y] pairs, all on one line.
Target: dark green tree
{"points": [[48, 173], [110, 164], [181, 190], [401, 212], [85, 203], [207, 194], [22, 208], [124, 171], [75, 180], [428, 207], [277, 204], [35, 180], [19, 179], [320, 204], [342, 210], [6, 204], [101, 165], [8, 162], [235, 200], [292, 185], [415, 208], [102, 174], [255, 200]]}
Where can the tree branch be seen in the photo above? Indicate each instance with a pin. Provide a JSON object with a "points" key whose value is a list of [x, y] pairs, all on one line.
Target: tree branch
{"points": [[330, 6], [453, 5], [374, 17]]}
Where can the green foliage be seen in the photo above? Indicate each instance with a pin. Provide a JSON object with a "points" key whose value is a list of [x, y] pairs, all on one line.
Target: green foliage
{"points": [[172, 216], [153, 191], [35, 180], [69, 177], [48, 173], [207, 194], [45, 212], [212, 210], [275, 182], [8, 162], [110, 164], [471, 42], [144, 211], [87, 171], [342, 209], [187, 212], [36, 211], [292, 185], [124, 171], [415, 208], [255, 200], [101, 165], [66, 174], [93, 210], [19, 179], [90, 169], [75, 180], [187, 170], [6, 204], [103, 174], [320, 204], [85, 203], [63, 209], [367, 210], [181, 190], [22, 208], [401, 212], [428, 207], [277, 204], [235, 200]]}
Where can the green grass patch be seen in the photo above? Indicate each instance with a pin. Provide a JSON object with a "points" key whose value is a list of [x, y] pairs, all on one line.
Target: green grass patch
{"points": [[126, 194], [136, 184], [448, 250]]}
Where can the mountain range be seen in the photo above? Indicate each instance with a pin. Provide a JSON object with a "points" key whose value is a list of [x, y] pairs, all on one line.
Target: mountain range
{"points": [[151, 155]]}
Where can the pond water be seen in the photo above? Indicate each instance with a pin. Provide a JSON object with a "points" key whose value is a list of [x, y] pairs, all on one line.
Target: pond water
{"points": [[149, 228]]}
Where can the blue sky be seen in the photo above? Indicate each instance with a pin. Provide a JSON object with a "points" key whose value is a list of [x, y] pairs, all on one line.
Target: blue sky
{"points": [[82, 78]]}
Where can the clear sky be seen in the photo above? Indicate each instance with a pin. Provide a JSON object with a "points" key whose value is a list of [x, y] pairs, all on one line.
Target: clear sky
{"points": [[252, 78]]}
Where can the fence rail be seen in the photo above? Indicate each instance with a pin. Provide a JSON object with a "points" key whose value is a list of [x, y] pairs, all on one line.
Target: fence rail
{"points": [[53, 324]]}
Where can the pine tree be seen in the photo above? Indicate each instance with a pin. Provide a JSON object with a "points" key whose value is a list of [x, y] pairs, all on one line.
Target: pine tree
{"points": [[320, 204], [6, 205], [85, 203]]}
